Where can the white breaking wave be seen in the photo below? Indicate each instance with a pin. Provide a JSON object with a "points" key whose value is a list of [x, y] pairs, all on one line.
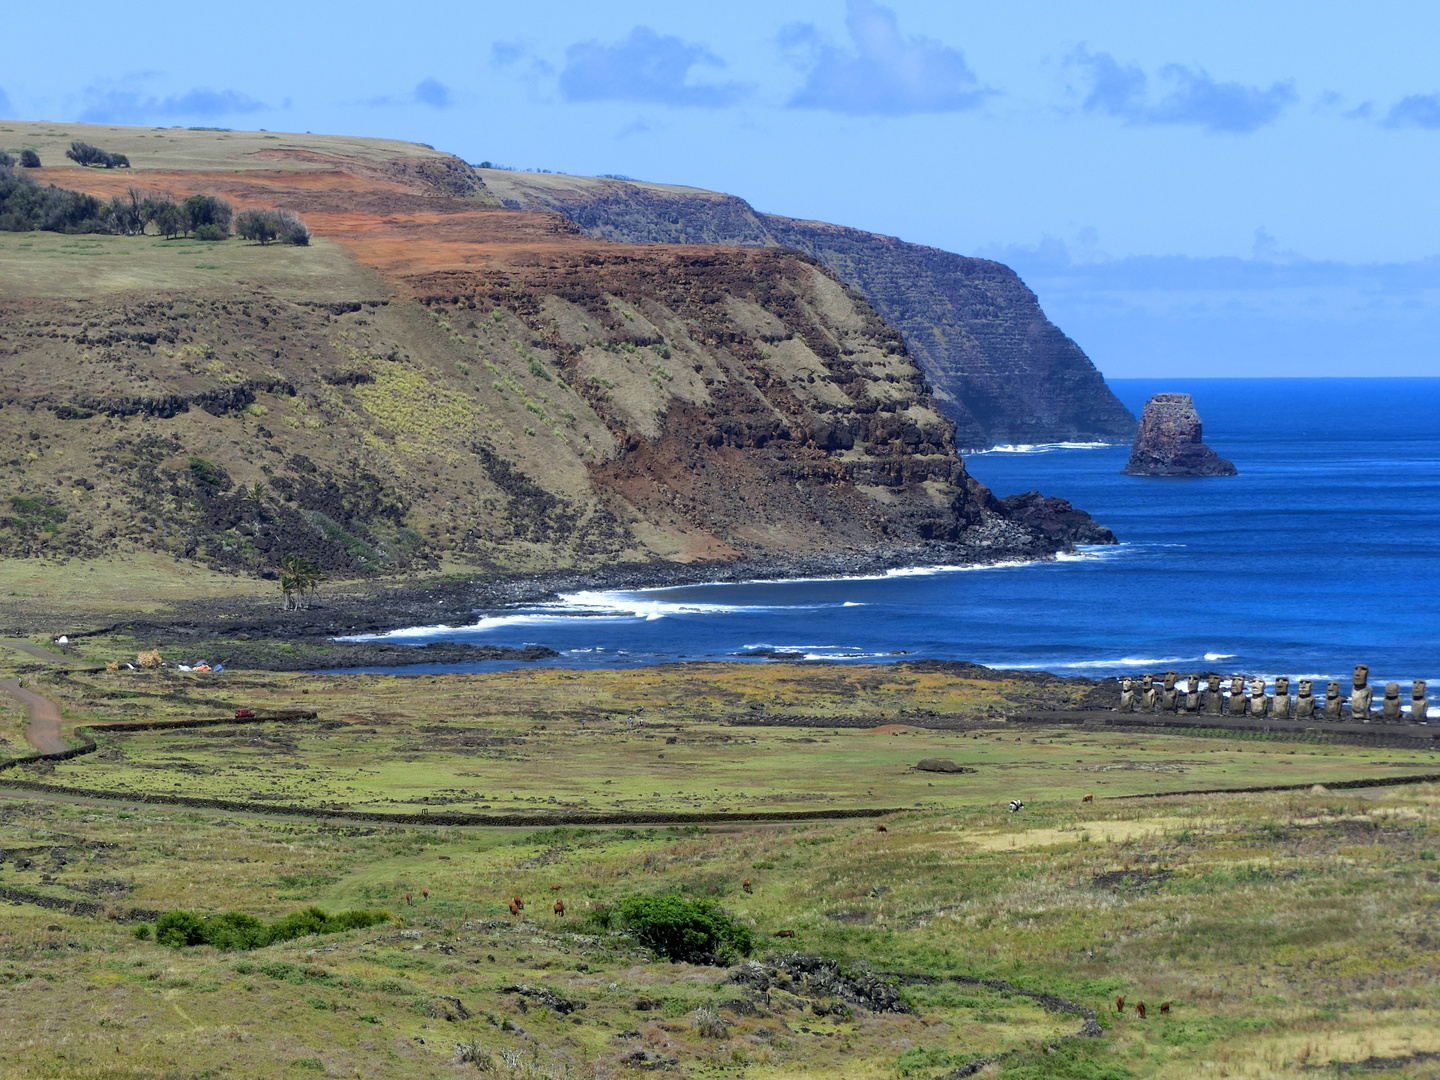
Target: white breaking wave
{"points": [[1040, 448], [578, 605], [1212, 656]]}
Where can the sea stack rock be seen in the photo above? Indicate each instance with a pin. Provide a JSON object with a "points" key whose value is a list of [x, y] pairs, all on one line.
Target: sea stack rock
{"points": [[1169, 442]]}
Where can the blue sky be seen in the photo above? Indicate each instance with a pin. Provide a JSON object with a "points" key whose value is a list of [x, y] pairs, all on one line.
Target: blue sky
{"points": [[1192, 189]]}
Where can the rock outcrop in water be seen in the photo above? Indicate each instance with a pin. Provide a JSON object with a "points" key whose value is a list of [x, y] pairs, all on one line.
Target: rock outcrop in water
{"points": [[1170, 442], [1055, 518]]}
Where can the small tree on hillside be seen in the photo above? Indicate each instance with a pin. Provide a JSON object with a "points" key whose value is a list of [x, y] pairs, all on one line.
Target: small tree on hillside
{"points": [[29, 159], [167, 217], [207, 216], [82, 153], [262, 226]]}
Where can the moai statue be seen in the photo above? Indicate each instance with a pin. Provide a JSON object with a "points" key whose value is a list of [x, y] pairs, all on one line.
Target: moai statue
{"points": [[1168, 696], [1237, 695], [1214, 703], [1127, 696], [1259, 702], [1305, 701], [1280, 710], [1333, 701], [1148, 697], [1360, 694], [1419, 705], [1193, 698], [1390, 704]]}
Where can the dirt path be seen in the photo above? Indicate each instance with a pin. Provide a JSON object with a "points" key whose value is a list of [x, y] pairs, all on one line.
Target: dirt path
{"points": [[44, 730], [37, 651]]}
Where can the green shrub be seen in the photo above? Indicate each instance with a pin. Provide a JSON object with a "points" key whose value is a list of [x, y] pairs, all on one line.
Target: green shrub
{"points": [[29, 159], [238, 930], [211, 232], [689, 931]]}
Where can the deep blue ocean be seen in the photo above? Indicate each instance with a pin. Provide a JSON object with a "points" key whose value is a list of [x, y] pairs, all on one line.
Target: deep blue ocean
{"points": [[1323, 552]]}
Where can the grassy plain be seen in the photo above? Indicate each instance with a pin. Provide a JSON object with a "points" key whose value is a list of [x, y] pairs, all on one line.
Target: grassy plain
{"points": [[1292, 932], [683, 737], [44, 264]]}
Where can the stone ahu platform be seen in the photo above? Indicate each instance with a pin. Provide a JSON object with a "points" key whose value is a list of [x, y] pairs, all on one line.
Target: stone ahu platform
{"points": [[1404, 735], [1169, 442]]}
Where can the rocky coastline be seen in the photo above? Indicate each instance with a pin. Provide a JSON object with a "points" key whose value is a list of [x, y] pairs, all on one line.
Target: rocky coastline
{"points": [[247, 633]]}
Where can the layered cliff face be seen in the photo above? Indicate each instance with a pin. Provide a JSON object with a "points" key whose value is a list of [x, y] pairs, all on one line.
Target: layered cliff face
{"points": [[440, 381], [1000, 369]]}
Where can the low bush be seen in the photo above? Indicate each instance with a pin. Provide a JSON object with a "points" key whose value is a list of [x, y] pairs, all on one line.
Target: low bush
{"points": [[29, 159], [238, 930], [681, 930], [212, 232]]}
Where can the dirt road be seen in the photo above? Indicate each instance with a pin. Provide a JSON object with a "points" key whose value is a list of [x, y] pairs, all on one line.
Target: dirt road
{"points": [[44, 730]]}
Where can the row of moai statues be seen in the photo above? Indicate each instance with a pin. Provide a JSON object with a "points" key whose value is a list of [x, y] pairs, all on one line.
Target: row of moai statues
{"points": [[1143, 696]]}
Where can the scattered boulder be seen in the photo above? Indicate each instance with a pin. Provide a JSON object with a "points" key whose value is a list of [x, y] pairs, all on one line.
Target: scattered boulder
{"points": [[816, 977], [540, 995], [941, 764], [1169, 442], [445, 1007]]}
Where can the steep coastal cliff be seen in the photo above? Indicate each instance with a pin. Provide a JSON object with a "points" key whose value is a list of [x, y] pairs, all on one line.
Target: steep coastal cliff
{"points": [[440, 381], [999, 368]]}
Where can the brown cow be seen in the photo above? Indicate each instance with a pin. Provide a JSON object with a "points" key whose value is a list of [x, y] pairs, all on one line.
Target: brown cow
{"points": [[881, 828], [407, 899], [425, 894], [747, 886], [559, 907], [1140, 1009], [1164, 1008], [514, 909], [1087, 798], [556, 888], [784, 933], [519, 904], [1119, 1004]]}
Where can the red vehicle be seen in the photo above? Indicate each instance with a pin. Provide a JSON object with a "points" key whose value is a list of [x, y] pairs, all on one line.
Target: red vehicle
{"points": [[244, 714]]}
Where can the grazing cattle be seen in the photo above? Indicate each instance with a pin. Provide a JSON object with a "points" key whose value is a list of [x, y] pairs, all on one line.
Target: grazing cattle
{"points": [[881, 828], [519, 904], [1164, 1008], [514, 908], [1140, 1009], [407, 900], [747, 886], [1087, 798], [556, 888], [559, 907], [784, 933], [1015, 804], [1119, 1004], [424, 894]]}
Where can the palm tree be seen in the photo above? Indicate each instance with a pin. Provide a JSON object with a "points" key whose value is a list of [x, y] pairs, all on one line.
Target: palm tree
{"points": [[298, 575], [254, 495]]}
